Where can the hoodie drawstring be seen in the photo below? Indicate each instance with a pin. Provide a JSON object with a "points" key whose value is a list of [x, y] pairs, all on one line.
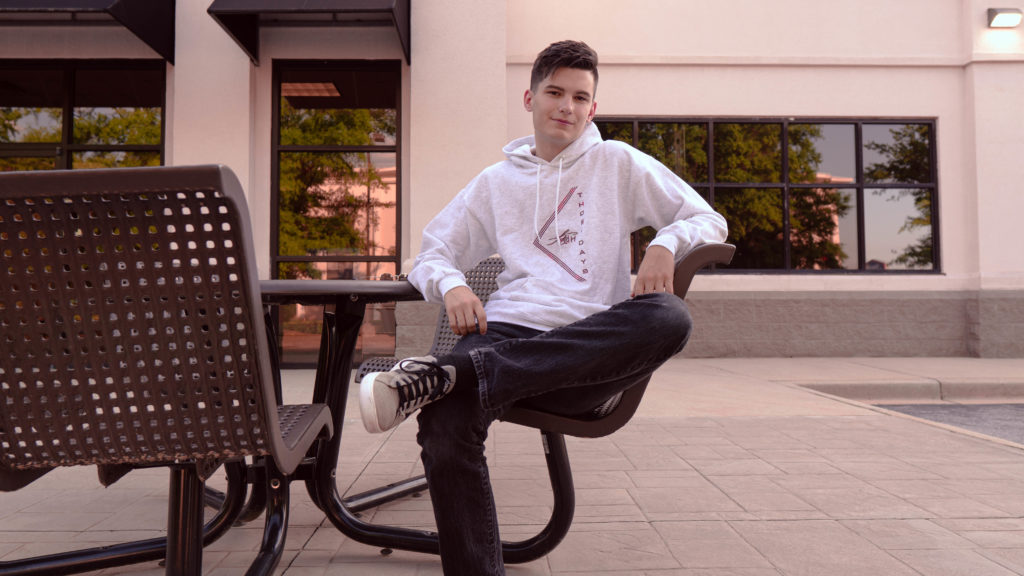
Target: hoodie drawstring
{"points": [[536, 206], [558, 192]]}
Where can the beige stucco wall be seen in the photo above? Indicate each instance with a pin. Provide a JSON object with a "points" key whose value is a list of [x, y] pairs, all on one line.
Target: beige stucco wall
{"points": [[209, 99], [845, 58]]}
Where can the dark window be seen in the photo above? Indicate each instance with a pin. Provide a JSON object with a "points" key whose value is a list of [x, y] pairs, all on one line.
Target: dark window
{"points": [[335, 188], [81, 114], [805, 194]]}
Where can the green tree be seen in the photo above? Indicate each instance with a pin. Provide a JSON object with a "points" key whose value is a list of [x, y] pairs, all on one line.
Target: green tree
{"points": [[908, 159], [117, 125]]}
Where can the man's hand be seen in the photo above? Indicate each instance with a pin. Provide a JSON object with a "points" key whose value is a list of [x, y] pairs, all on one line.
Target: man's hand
{"points": [[465, 311], [656, 271]]}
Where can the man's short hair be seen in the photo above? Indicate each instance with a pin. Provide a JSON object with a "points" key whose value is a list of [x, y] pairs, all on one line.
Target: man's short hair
{"points": [[564, 54]]}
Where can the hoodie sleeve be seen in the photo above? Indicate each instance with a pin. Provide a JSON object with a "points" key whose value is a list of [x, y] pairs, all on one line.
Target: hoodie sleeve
{"points": [[662, 200], [454, 241]]}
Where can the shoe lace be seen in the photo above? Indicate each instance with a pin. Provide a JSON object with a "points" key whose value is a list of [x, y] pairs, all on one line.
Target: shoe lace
{"points": [[427, 383]]}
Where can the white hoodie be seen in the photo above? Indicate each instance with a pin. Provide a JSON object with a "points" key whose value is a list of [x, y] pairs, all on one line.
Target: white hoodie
{"points": [[562, 228]]}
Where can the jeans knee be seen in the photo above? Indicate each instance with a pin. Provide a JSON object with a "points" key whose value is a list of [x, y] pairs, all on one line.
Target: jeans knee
{"points": [[669, 315], [451, 429]]}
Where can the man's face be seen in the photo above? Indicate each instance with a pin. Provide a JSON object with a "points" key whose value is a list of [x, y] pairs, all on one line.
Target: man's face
{"points": [[562, 107]]}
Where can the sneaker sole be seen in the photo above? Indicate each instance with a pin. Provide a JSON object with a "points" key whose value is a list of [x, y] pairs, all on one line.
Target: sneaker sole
{"points": [[367, 407]]}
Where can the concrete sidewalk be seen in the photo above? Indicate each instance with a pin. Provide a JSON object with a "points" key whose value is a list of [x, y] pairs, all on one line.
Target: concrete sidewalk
{"points": [[731, 467]]}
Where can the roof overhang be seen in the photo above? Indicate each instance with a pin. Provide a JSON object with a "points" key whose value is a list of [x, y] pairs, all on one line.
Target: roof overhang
{"points": [[242, 19], [152, 21]]}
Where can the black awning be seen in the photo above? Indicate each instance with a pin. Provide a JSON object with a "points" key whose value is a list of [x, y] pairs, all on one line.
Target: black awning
{"points": [[242, 19], [152, 21]]}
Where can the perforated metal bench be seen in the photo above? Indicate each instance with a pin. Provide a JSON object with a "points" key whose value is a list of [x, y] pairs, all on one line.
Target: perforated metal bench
{"points": [[132, 334]]}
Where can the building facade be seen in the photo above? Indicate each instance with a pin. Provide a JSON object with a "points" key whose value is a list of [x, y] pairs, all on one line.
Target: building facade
{"points": [[866, 154]]}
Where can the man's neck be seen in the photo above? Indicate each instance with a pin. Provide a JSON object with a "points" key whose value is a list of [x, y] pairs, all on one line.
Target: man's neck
{"points": [[547, 153]]}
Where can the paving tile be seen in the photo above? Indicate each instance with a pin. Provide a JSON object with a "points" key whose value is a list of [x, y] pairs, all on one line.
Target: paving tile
{"points": [[898, 534], [715, 572], [42, 522], [611, 548], [599, 479], [815, 548], [994, 538], [886, 470], [957, 508], [659, 478], [951, 563], [709, 545], [733, 467], [991, 524], [915, 488], [1010, 558], [688, 495], [655, 458], [1012, 504], [984, 486], [806, 468], [775, 455], [325, 538]]}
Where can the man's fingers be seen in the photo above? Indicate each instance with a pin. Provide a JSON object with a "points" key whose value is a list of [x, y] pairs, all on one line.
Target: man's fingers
{"points": [[652, 287], [481, 322], [463, 323]]}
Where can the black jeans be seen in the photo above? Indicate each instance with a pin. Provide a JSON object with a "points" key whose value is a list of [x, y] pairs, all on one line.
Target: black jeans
{"points": [[567, 370]]}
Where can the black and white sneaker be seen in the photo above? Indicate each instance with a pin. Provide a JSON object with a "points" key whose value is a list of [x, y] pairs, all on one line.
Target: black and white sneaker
{"points": [[388, 398]]}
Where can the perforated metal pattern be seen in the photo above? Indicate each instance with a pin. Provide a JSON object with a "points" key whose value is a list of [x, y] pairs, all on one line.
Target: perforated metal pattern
{"points": [[124, 326], [483, 280], [376, 364]]}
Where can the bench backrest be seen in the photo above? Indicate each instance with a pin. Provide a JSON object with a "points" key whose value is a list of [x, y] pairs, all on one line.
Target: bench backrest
{"points": [[130, 320]]}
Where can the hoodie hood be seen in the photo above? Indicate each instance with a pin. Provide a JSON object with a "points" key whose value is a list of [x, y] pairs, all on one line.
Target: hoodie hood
{"points": [[521, 150], [521, 153]]}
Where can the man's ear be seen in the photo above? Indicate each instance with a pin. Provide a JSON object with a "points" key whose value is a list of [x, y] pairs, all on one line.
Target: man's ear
{"points": [[528, 101], [593, 111]]}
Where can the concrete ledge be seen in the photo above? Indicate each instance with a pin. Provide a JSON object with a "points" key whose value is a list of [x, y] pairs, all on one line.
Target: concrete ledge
{"points": [[914, 392], [932, 323], [1005, 391], [878, 392]]}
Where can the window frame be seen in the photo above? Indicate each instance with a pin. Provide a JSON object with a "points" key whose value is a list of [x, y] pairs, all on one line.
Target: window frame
{"points": [[64, 151], [859, 186]]}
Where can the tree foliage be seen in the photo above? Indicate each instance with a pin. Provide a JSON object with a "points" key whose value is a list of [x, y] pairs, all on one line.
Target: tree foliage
{"points": [[92, 126], [322, 195], [908, 159]]}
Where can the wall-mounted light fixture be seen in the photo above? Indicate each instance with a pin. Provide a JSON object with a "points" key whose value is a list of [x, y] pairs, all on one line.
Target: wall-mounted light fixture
{"points": [[1004, 17]]}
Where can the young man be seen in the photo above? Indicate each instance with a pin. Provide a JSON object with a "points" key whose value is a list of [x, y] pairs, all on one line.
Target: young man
{"points": [[565, 330]]}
